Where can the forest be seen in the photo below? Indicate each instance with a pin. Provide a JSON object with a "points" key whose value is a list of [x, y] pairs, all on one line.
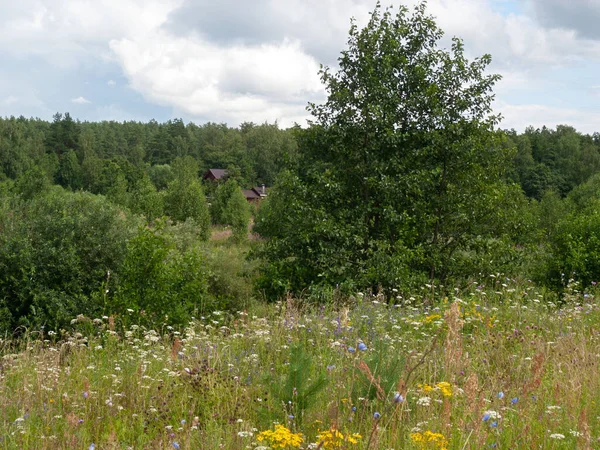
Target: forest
{"points": [[104, 217], [386, 191]]}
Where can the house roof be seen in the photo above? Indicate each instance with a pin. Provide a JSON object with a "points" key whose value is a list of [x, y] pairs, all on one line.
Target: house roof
{"points": [[250, 194], [217, 174]]}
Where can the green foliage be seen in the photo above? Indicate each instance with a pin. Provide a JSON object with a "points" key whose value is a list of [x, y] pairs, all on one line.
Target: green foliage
{"points": [[185, 198], [161, 175], [69, 173], [401, 168], [55, 252], [146, 200], [223, 193], [161, 283], [237, 215], [575, 247], [231, 277], [32, 183], [299, 390]]}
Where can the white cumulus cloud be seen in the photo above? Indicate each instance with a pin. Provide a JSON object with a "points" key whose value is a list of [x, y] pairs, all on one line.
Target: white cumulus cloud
{"points": [[80, 100], [222, 83]]}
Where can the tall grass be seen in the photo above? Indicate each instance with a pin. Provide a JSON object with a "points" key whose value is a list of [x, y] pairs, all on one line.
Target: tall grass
{"points": [[495, 366]]}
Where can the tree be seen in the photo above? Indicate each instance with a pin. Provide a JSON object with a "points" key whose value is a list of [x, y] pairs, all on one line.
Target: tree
{"points": [[185, 197], [237, 215], [400, 168], [218, 205]]}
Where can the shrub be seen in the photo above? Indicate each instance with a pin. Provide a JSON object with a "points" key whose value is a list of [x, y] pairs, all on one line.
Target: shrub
{"points": [[55, 251], [160, 282]]}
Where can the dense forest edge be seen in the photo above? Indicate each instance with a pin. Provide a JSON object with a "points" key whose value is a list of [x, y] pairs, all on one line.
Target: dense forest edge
{"points": [[387, 191]]}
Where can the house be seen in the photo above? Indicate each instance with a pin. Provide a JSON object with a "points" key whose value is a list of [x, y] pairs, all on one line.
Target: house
{"points": [[215, 174], [255, 194]]}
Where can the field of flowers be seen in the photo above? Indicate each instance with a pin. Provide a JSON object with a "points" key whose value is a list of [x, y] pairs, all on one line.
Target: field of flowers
{"points": [[496, 366]]}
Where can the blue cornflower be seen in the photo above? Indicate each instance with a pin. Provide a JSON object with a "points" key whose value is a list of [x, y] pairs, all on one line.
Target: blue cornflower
{"points": [[351, 349], [176, 445], [92, 446], [376, 415], [398, 397], [486, 417], [362, 346], [354, 409], [500, 395], [494, 424], [514, 400]]}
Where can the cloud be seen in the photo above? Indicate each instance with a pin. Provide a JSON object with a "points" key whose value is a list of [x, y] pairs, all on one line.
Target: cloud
{"points": [[233, 83], [231, 61], [80, 100], [580, 16]]}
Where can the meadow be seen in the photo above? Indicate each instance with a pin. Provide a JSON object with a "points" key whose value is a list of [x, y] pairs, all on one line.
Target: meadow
{"points": [[498, 365]]}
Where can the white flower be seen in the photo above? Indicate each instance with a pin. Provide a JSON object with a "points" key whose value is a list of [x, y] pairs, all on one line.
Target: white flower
{"points": [[494, 415], [424, 401], [557, 436]]}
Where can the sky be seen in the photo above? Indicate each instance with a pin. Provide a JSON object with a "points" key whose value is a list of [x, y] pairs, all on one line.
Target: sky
{"points": [[233, 61]]}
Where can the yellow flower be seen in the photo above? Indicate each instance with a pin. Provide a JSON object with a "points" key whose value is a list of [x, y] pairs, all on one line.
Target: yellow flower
{"points": [[425, 388], [432, 318], [446, 388], [333, 438], [281, 437], [430, 440]]}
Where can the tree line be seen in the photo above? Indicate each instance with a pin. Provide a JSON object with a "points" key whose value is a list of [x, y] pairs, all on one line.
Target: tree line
{"points": [[403, 179]]}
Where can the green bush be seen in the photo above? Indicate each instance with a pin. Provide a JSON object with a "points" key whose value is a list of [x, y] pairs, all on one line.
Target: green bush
{"points": [[160, 282], [55, 252]]}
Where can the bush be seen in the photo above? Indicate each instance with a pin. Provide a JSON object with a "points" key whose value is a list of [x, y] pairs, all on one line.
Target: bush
{"points": [[55, 252], [161, 282]]}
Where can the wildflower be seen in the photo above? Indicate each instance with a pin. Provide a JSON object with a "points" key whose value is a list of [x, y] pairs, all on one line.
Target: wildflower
{"points": [[334, 438], [424, 401], [376, 415], [514, 400], [500, 395], [429, 439], [92, 446], [281, 437], [557, 436], [176, 446], [445, 387], [494, 424], [491, 415], [425, 387], [398, 398], [351, 349], [362, 346]]}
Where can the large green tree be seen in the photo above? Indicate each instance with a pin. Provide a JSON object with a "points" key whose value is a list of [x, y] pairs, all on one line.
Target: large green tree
{"points": [[401, 167]]}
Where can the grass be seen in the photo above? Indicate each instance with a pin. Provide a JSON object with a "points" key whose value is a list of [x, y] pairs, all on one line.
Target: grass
{"points": [[495, 367]]}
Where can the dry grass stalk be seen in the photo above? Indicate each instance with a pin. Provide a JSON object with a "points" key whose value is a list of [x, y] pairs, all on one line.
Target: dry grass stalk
{"points": [[584, 428], [175, 348], [537, 371], [362, 366]]}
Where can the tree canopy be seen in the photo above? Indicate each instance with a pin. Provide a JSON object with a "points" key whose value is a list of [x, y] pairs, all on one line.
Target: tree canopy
{"points": [[401, 167]]}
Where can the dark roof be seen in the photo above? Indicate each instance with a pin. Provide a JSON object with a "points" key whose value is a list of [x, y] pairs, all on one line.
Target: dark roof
{"points": [[216, 174], [261, 190], [250, 194]]}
